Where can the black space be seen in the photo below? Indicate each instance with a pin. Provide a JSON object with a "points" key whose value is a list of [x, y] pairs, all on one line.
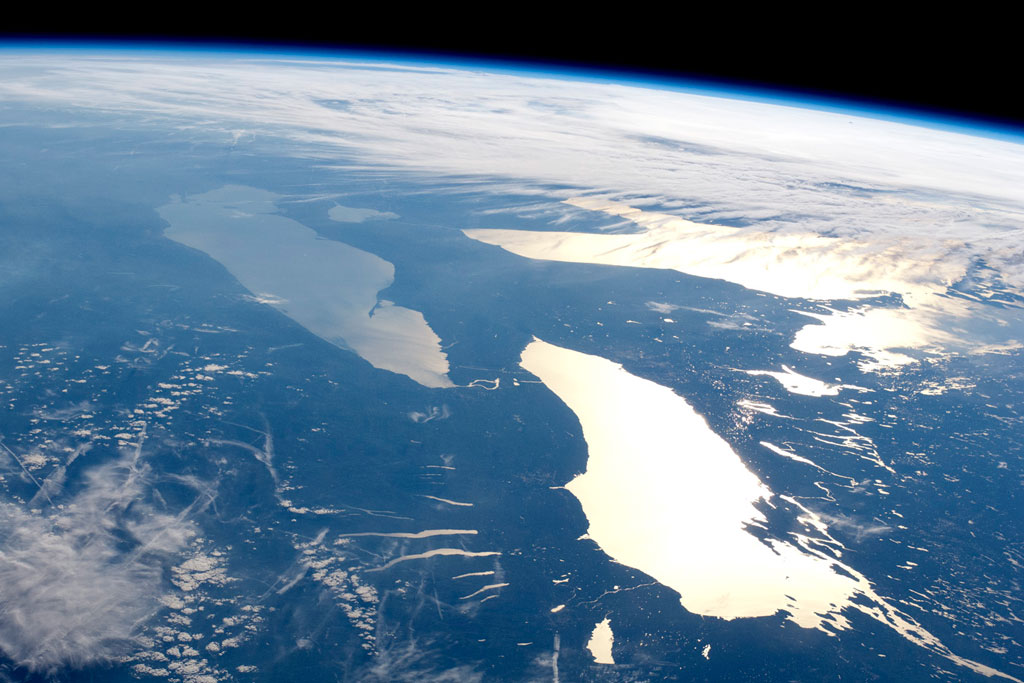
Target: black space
{"points": [[964, 66]]}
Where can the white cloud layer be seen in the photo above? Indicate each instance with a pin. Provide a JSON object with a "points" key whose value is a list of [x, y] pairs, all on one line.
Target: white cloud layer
{"points": [[68, 592], [78, 582], [734, 158], [891, 191]]}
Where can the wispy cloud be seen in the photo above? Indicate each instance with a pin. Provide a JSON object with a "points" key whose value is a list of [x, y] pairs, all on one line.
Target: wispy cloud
{"points": [[415, 661], [78, 581], [713, 158], [856, 529], [886, 188]]}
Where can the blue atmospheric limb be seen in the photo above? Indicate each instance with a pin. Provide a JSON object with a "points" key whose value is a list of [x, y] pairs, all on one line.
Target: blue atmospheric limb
{"points": [[341, 365]]}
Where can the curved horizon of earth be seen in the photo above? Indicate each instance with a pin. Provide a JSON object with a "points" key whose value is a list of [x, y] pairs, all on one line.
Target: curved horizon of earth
{"points": [[336, 368]]}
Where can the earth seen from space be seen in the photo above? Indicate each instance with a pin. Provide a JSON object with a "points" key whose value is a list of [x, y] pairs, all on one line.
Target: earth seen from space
{"points": [[330, 368]]}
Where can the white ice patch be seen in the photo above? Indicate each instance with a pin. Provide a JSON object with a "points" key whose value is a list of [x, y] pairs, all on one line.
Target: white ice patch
{"points": [[791, 456], [436, 552], [760, 407], [488, 587], [348, 214], [469, 574], [448, 501], [428, 533], [601, 641], [795, 383]]}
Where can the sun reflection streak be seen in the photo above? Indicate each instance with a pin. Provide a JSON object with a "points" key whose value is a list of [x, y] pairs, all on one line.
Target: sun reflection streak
{"points": [[663, 493]]}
